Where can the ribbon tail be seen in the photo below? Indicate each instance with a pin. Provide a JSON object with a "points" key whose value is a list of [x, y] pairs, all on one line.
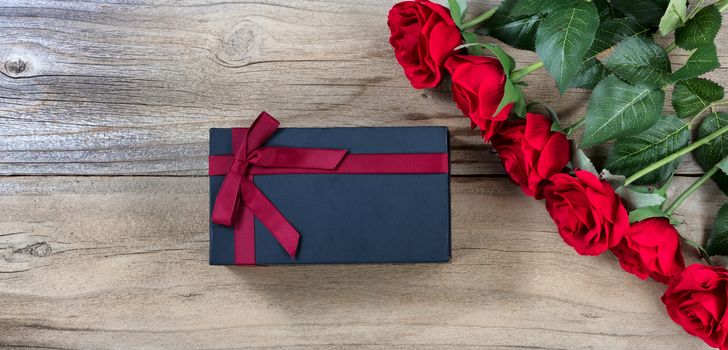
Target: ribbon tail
{"points": [[244, 237], [260, 131], [286, 235], [223, 212]]}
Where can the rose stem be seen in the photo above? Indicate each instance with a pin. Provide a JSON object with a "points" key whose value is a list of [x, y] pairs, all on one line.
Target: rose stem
{"points": [[696, 9], [477, 20], [670, 47], [702, 253], [695, 119], [575, 126], [676, 155], [681, 198], [519, 74]]}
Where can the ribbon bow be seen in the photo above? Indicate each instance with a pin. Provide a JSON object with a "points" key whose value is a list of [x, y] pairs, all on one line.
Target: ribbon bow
{"points": [[238, 191]]}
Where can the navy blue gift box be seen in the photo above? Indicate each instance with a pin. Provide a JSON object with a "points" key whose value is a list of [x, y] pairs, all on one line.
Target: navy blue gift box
{"points": [[358, 217]]}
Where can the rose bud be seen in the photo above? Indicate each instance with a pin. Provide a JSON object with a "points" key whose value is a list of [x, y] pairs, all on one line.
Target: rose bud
{"points": [[477, 88], [651, 247], [696, 299], [588, 214], [531, 153], [423, 35]]}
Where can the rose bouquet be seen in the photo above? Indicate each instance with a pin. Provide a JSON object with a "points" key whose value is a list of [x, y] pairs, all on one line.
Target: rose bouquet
{"points": [[607, 47]]}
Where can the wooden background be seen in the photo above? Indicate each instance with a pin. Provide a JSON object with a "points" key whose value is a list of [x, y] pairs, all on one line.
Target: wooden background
{"points": [[104, 111]]}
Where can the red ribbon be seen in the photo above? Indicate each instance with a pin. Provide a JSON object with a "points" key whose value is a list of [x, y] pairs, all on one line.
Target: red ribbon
{"points": [[239, 200]]}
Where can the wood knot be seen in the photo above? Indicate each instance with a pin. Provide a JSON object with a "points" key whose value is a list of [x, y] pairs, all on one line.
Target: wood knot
{"points": [[39, 249], [16, 66], [241, 44]]}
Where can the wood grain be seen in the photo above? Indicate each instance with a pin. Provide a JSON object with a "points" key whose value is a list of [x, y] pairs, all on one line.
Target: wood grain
{"points": [[119, 88], [121, 262], [117, 97]]}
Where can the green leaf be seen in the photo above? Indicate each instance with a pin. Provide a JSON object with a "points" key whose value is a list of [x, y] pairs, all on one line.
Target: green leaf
{"points": [[457, 11], [605, 9], [663, 189], [589, 75], [472, 38], [638, 60], [648, 13], [723, 165], [463, 7], [633, 199], [692, 96], [550, 111], [633, 153], [579, 159], [617, 109], [699, 30], [519, 106], [564, 38], [610, 32], [675, 16], [511, 94], [652, 211], [462, 4], [555, 124], [709, 155], [508, 63], [532, 7], [518, 32], [718, 241], [643, 213], [721, 5], [703, 60], [696, 245], [632, 196]]}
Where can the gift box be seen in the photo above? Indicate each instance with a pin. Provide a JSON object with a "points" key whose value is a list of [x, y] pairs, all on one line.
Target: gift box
{"points": [[328, 195]]}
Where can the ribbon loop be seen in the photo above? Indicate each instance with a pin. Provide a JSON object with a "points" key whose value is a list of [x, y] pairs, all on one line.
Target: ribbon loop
{"points": [[239, 192], [259, 132]]}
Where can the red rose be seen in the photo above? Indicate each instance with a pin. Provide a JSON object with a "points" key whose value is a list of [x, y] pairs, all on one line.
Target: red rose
{"points": [[651, 247], [423, 35], [531, 152], [477, 88], [696, 300], [589, 215]]}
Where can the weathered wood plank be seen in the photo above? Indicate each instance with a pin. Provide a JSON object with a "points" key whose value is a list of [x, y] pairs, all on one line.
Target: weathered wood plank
{"points": [[121, 262], [97, 87]]}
